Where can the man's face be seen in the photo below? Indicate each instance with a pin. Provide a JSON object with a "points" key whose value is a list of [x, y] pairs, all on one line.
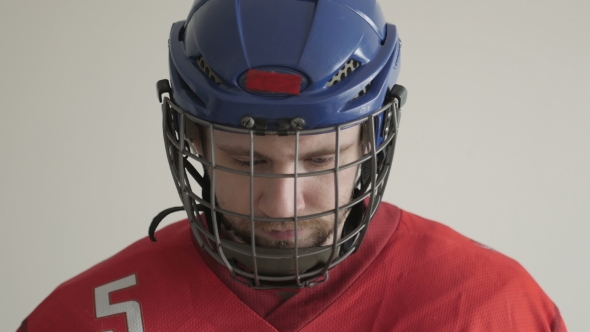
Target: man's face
{"points": [[278, 197]]}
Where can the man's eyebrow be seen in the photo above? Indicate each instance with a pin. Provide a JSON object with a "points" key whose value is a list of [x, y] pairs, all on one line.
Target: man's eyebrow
{"points": [[245, 151], [238, 151]]}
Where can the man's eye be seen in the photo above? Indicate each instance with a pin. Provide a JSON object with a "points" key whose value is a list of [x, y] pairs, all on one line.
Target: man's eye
{"points": [[321, 161], [246, 163]]}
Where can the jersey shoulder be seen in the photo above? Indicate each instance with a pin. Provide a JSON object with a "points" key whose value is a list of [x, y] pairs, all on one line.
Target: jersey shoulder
{"points": [[479, 285], [435, 240], [87, 297], [148, 286]]}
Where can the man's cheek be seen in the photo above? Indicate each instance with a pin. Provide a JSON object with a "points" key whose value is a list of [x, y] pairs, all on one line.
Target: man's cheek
{"points": [[231, 192]]}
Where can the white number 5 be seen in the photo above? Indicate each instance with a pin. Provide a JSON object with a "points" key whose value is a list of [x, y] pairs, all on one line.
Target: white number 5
{"points": [[131, 309]]}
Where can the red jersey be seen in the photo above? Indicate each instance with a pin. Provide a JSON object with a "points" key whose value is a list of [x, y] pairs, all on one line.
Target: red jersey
{"points": [[410, 274]]}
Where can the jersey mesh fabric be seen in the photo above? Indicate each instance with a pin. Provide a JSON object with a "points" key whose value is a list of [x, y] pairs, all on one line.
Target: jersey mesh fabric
{"points": [[416, 276], [435, 279]]}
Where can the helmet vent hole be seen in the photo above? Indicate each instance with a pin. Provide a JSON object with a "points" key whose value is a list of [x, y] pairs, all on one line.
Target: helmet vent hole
{"points": [[363, 91], [347, 69], [207, 70]]}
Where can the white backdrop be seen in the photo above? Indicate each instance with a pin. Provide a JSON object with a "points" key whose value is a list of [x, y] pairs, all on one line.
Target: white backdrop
{"points": [[494, 137]]}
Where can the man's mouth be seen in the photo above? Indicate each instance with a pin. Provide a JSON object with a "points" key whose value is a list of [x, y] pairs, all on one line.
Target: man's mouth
{"points": [[282, 235]]}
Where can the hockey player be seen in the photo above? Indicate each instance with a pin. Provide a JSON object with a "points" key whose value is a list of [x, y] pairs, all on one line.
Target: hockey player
{"points": [[280, 120]]}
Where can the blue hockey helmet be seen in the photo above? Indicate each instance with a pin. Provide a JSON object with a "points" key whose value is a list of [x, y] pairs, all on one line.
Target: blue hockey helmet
{"points": [[288, 68]]}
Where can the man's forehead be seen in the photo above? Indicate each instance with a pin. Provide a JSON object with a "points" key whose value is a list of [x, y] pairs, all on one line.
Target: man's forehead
{"points": [[276, 144]]}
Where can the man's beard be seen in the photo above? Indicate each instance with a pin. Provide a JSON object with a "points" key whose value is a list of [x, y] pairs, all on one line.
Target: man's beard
{"points": [[319, 230]]}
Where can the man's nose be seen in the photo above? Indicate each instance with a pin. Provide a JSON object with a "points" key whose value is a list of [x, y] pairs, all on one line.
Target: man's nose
{"points": [[279, 198]]}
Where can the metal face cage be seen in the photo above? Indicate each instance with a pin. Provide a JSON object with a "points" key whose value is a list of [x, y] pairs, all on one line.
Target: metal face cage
{"points": [[278, 267]]}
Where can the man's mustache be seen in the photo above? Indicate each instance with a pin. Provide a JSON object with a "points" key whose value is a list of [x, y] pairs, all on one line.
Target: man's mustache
{"points": [[281, 226]]}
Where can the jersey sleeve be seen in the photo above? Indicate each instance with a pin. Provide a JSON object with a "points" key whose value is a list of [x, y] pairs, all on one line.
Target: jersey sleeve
{"points": [[62, 310]]}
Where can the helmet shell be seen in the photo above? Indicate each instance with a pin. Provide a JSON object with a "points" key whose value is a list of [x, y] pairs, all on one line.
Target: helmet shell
{"points": [[314, 38]]}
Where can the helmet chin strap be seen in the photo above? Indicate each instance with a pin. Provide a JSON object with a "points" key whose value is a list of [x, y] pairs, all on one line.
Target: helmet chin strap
{"points": [[205, 185], [158, 218]]}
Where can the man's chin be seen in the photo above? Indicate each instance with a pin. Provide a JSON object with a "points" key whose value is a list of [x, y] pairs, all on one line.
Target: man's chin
{"points": [[283, 239]]}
